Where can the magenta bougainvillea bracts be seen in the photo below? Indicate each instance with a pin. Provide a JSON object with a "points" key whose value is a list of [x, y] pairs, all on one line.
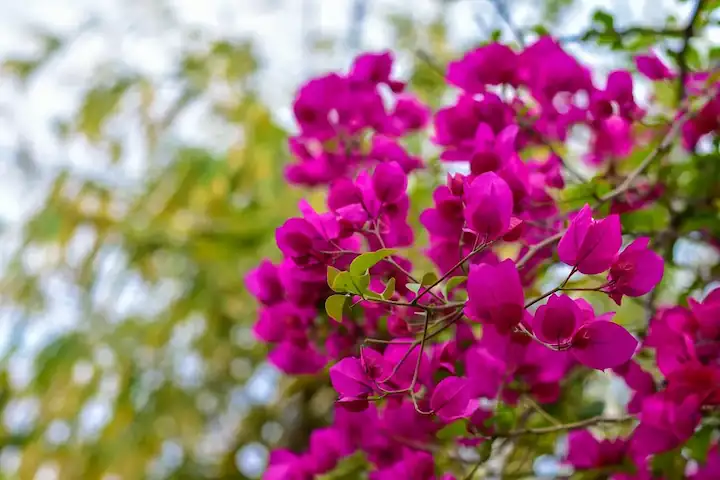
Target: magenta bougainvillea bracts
{"points": [[424, 362]]}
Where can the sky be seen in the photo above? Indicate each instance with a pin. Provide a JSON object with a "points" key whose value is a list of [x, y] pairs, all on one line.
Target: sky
{"points": [[147, 36]]}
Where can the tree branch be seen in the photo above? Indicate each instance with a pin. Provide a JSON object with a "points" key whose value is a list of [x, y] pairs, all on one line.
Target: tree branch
{"points": [[567, 427], [688, 34]]}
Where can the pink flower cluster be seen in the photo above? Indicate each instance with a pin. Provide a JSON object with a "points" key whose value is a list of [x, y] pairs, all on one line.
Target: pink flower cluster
{"points": [[409, 353], [345, 124]]}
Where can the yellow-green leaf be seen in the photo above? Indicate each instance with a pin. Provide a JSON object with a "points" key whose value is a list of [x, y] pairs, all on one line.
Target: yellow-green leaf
{"points": [[362, 263], [332, 274], [334, 306], [389, 289]]}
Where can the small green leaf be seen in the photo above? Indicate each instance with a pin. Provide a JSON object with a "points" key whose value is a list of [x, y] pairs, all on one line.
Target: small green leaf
{"points": [[428, 279], [413, 287], [332, 274], [452, 283], [453, 430], [389, 289], [345, 282], [362, 263], [334, 306], [360, 283], [604, 20], [699, 444], [342, 282]]}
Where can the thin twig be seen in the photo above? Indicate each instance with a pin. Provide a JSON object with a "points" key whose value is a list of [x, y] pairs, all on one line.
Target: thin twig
{"points": [[567, 426], [688, 34], [532, 251], [554, 290], [636, 30], [467, 257], [543, 413]]}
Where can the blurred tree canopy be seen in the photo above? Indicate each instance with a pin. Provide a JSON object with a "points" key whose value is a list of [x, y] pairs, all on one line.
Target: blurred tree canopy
{"points": [[158, 375], [161, 344]]}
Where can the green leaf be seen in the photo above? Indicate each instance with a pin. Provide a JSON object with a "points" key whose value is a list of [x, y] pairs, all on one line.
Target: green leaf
{"points": [[453, 430], [362, 263], [699, 444], [646, 220], [452, 283], [342, 282], [361, 283], [345, 282], [604, 20], [332, 274], [413, 287], [389, 289], [428, 279], [334, 306]]}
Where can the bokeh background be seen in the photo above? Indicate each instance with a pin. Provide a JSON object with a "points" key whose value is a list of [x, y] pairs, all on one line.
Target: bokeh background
{"points": [[142, 145]]}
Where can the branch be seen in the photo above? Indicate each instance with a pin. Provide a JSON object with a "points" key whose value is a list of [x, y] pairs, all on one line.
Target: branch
{"points": [[688, 34], [567, 427], [532, 251], [635, 30], [447, 274]]}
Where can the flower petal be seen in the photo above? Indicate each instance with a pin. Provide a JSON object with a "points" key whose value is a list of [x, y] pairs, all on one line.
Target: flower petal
{"points": [[603, 344], [451, 398]]}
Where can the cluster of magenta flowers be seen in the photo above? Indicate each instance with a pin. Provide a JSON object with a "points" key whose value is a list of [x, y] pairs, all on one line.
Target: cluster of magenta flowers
{"points": [[410, 353]]}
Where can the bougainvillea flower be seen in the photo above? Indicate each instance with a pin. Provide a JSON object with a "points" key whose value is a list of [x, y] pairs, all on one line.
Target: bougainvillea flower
{"points": [[590, 245], [495, 295], [587, 452], [613, 140], [451, 399], [297, 359], [263, 282], [595, 342], [635, 271], [488, 206], [639, 381], [707, 314], [695, 379], [389, 182], [664, 424], [491, 64], [350, 380], [653, 68], [486, 372], [374, 68]]}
